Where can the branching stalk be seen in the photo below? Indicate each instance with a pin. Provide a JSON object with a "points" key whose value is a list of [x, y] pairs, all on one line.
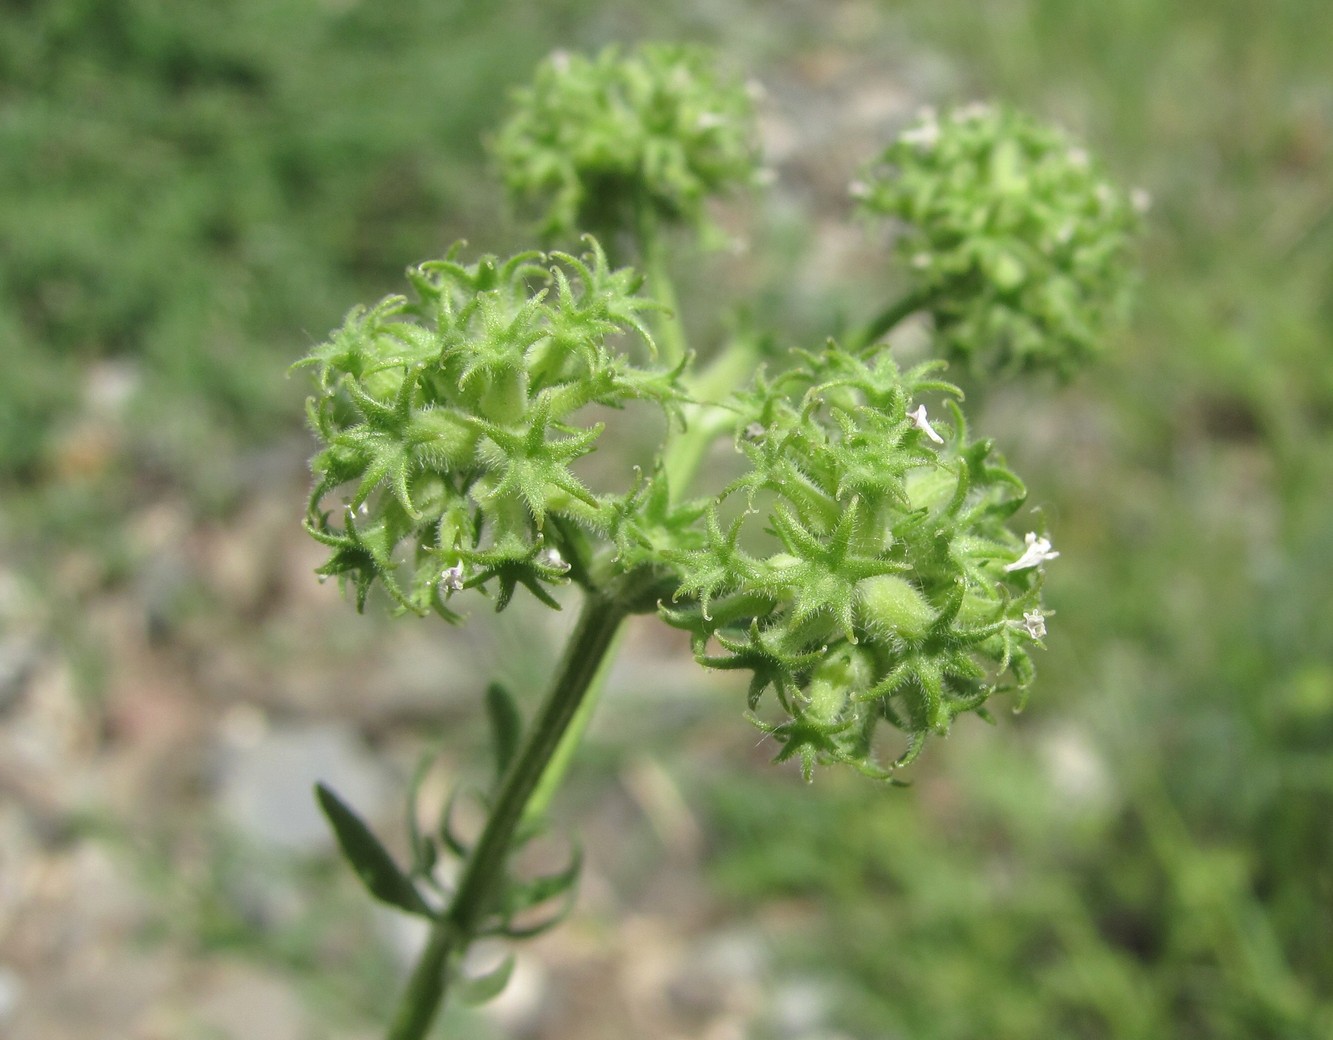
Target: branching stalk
{"points": [[706, 419], [596, 630], [457, 419], [671, 332]]}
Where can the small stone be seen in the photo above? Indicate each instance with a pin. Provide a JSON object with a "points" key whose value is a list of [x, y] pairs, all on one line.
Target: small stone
{"points": [[264, 790], [11, 992]]}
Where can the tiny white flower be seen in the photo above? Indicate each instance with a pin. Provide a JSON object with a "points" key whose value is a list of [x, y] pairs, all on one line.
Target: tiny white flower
{"points": [[1035, 623], [920, 421], [1078, 157], [921, 261], [452, 579], [974, 110], [1140, 200], [1038, 551], [924, 136], [550, 557]]}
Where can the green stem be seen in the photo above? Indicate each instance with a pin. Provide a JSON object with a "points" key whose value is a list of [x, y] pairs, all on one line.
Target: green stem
{"points": [[569, 743], [554, 734], [681, 460], [593, 635], [671, 333], [706, 420], [425, 989]]}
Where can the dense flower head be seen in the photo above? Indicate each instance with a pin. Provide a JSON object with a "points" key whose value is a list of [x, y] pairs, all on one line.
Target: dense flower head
{"points": [[886, 593], [593, 139], [448, 424], [862, 567], [1014, 238]]}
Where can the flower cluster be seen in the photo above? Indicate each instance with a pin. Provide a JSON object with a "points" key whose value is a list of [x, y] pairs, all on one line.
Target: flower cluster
{"points": [[882, 584], [593, 140], [861, 568], [894, 592], [446, 423], [1015, 240]]}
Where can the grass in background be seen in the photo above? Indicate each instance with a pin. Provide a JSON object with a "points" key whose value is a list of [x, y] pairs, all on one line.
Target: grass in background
{"points": [[190, 189]]}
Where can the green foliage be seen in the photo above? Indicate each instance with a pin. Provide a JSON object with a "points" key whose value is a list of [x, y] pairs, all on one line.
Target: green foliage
{"points": [[186, 186], [373, 864], [1108, 921], [481, 988], [897, 593], [506, 726], [597, 144], [1016, 241]]}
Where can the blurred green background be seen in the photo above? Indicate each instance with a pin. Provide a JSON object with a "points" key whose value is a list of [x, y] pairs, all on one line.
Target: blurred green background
{"points": [[192, 194]]}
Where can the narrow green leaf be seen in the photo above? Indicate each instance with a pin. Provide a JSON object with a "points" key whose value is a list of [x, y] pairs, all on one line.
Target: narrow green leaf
{"points": [[478, 989], [534, 928], [424, 853], [371, 861], [506, 726], [526, 894], [453, 841]]}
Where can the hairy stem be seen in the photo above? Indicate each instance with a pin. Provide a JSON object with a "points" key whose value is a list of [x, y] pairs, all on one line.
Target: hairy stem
{"points": [[554, 734], [473, 900], [671, 332], [707, 420], [573, 736]]}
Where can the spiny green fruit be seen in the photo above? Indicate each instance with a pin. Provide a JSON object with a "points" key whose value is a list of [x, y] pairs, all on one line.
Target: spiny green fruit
{"points": [[889, 606], [1014, 238], [592, 141], [449, 424], [888, 523]]}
